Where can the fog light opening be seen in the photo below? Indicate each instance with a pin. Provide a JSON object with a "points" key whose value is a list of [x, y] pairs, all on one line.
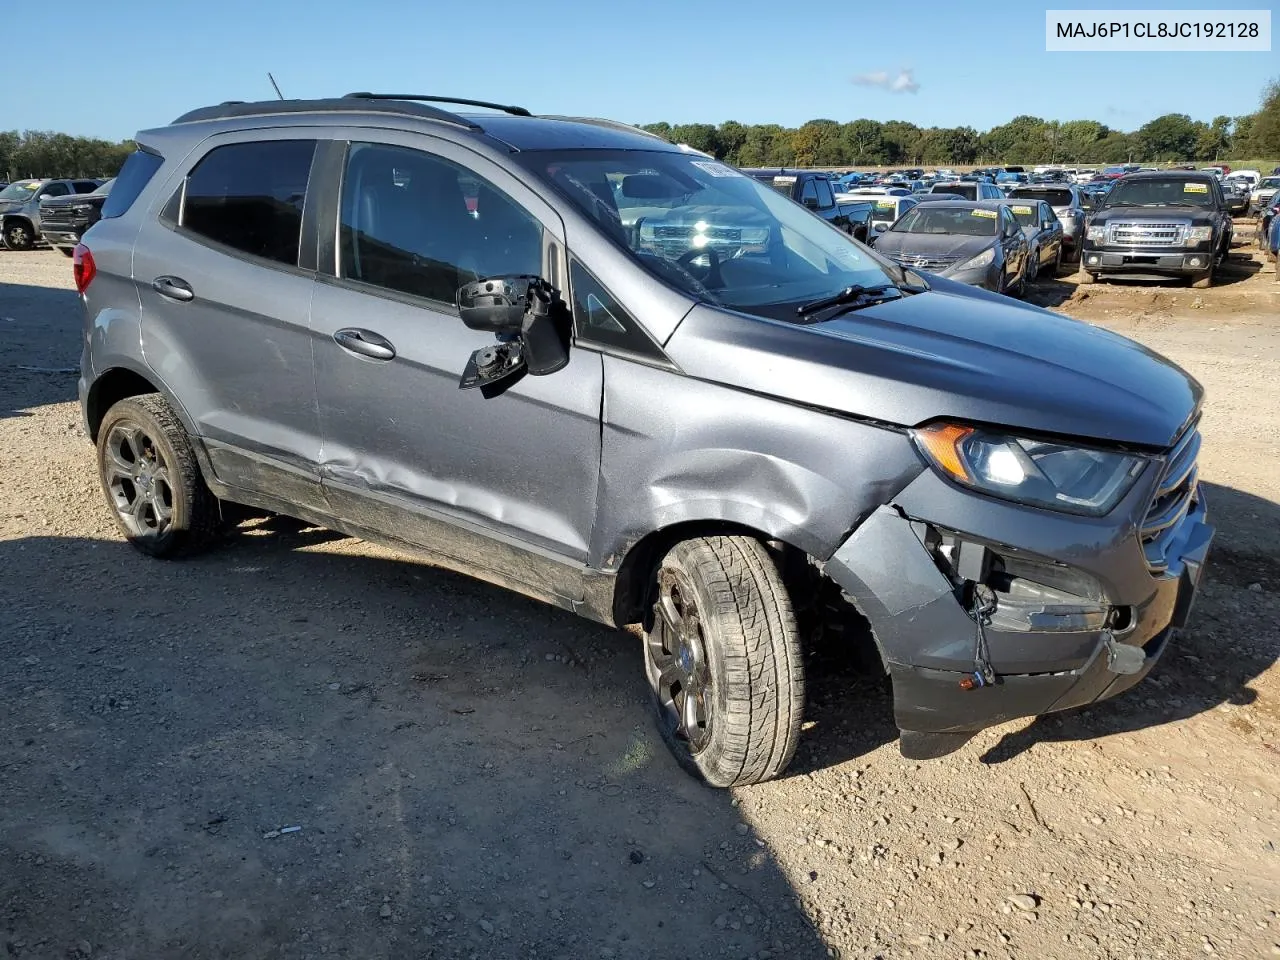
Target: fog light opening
{"points": [[1121, 620]]}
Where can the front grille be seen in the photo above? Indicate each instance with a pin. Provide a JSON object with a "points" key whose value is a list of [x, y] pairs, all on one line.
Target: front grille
{"points": [[927, 263], [1146, 234], [1174, 497], [59, 217]]}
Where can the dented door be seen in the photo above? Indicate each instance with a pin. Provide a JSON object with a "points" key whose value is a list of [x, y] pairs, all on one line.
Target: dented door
{"points": [[397, 432]]}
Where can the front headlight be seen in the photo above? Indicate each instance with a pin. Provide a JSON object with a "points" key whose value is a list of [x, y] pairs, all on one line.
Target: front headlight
{"points": [[1199, 234], [1097, 234], [1041, 473], [984, 259]]}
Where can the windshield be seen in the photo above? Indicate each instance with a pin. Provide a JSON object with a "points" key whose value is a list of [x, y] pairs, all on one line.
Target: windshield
{"points": [[1025, 214], [1055, 198], [1113, 169], [103, 190], [1160, 192], [784, 184], [885, 211], [962, 221], [967, 190], [22, 190], [708, 229]]}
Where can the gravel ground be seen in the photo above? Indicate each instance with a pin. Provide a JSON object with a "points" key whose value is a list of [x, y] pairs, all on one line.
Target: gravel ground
{"points": [[472, 774]]}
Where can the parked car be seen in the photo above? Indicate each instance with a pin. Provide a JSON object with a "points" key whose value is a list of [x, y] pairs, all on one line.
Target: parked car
{"points": [[885, 211], [63, 220], [710, 441], [1236, 195], [1265, 218], [977, 243], [936, 197], [1113, 172], [1084, 175], [970, 190], [816, 193], [1250, 178], [1157, 225], [20, 207], [1006, 180], [1269, 235], [1263, 194], [1044, 236], [1068, 206]]}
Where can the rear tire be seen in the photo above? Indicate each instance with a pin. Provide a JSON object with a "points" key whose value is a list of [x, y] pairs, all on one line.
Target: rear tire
{"points": [[151, 479], [723, 660]]}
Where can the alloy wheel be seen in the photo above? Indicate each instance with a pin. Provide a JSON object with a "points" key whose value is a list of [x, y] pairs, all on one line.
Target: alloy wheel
{"points": [[677, 660], [138, 480]]}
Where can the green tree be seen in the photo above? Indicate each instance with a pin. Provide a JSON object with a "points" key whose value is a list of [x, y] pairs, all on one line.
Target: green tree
{"points": [[661, 129], [732, 135], [1264, 131], [902, 142], [1078, 139], [1171, 137], [700, 136], [1214, 141], [864, 140]]}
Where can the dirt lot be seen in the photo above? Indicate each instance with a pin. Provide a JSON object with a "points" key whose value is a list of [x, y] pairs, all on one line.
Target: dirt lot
{"points": [[475, 775]]}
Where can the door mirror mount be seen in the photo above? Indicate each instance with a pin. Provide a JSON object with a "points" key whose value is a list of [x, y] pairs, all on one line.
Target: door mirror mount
{"points": [[530, 321]]}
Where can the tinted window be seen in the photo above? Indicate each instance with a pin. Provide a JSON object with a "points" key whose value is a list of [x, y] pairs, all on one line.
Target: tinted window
{"points": [[55, 190], [599, 318], [825, 198], [249, 196], [1027, 214], [1159, 191], [136, 173], [967, 190], [962, 221], [809, 194], [421, 225], [1059, 198], [85, 186]]}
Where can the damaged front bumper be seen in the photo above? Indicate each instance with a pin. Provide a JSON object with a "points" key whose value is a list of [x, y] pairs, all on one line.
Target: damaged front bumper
{"points": [[1082, 614]]}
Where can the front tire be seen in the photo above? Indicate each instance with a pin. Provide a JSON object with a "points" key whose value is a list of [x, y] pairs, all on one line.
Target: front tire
{"points": [[1204, 281], [18, 235], [722, 656], [1086, 277], [151, 478]]}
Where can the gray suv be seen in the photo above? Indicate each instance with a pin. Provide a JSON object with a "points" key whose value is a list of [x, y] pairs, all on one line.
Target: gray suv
{"points": [[604, 371], [20, 207]]}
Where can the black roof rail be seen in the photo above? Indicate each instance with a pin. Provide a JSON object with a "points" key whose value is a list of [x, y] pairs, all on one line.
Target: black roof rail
{"points": [[330, 105], [422, 98], [611, 124]]}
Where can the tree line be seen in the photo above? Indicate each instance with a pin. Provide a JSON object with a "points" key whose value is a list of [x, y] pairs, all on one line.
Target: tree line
{"points": [[1024, 139], [40, 153], [825, 143]]}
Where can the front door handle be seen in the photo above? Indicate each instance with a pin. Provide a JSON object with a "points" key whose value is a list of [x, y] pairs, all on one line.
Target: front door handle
{"points": [[366, 343], [175, 288]]}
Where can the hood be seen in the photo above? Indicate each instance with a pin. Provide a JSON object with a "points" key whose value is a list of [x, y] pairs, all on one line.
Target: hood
{"points": [[954, 352], [1153, 214], [931, 245], [73, 199]]}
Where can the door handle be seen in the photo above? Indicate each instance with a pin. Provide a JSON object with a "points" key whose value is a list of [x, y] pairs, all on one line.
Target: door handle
{"points": [[175, 288], [366, 343]]}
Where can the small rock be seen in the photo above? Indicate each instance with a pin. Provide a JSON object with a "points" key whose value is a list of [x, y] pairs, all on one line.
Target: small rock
{"points": [[550, 657], [742, 829], [84, 947], [385, 911], [955, 844], [486, 926], [1275, 949], [335, 686], [1255, 588], [648, 884], [1023, 901], [635, 856], [720, 922]]}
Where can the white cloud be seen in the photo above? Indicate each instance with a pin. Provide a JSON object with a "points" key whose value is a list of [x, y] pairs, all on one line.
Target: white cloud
{"points": [[903, 81]]}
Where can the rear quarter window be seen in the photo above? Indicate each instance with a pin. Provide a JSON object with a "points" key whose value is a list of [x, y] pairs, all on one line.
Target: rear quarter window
{"points": [[139, 167]]}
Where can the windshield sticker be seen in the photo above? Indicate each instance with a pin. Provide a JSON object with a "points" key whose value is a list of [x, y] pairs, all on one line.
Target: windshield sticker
{"points": [[886, 204], [1195, 188], [784, 179], [984, 214], [716, 169], [1026, 211]]}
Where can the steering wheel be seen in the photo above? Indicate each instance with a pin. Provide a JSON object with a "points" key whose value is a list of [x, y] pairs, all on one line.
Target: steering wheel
{"points": [[711, 275]]}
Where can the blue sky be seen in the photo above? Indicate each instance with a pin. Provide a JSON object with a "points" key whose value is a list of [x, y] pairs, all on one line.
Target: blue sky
{"points": [[676, 60]]}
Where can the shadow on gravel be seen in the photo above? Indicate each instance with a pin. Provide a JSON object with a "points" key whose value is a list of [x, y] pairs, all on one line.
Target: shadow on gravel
{"points": [[471, 774], [39, 346], [1223, 649]]}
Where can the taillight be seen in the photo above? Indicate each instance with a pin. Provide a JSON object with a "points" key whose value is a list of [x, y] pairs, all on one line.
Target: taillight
{"points": [[83, 267]]}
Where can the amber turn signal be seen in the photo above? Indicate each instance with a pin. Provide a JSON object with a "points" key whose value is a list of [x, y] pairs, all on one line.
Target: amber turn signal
{"points": [[942, 442]]}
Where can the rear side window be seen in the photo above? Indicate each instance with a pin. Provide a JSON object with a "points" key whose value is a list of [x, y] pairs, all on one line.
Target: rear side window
{"points": [[138, 169], [85, 186], [249, 196]]}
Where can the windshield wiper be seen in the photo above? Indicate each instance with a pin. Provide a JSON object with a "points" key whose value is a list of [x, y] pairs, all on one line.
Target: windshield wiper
{"points": [[846, 297]]}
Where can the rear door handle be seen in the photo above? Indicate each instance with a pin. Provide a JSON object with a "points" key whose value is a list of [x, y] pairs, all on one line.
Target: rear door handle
{"points": [[175, 288], [366, 343]]}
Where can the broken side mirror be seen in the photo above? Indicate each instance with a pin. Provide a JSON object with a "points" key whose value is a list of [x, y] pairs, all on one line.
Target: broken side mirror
{"points": [[531, 323]]}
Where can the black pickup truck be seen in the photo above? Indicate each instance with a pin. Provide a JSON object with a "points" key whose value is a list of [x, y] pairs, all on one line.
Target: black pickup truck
{"points": [[63, 220], [816, 191], [1158, 224]]}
